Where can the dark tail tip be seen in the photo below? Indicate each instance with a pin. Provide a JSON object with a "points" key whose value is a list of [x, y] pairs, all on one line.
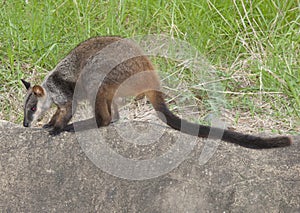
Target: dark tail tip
{"points": [[280, 141], [268, 143], [256, 142]]}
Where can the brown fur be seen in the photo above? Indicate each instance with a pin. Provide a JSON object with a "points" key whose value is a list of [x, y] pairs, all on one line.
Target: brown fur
{"points": [[61, 117]]}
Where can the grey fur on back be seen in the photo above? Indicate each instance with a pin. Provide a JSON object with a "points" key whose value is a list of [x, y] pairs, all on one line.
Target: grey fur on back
{"points": [[60, 82]]}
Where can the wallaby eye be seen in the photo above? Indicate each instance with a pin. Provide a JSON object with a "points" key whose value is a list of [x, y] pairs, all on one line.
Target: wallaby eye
{"points": [[33, 109]]}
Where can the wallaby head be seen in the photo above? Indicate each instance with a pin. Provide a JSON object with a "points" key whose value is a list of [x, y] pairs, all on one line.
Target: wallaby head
{"points": [[36, 103]]}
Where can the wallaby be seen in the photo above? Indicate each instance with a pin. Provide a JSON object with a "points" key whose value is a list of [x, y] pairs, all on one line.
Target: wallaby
{"points": [[59, 86]]}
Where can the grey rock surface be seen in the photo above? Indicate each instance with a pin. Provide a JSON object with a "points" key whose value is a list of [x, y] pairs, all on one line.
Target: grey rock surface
{"points": [[40, 173]]}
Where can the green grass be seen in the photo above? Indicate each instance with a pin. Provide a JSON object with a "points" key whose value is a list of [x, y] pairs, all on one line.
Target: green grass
{"points": [[254, 45]]}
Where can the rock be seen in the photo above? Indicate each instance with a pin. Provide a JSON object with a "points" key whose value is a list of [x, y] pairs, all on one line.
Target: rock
{"points": [[40, 173]]}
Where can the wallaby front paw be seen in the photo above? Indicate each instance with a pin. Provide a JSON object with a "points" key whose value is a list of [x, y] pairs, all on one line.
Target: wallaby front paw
{"points": [[55, 132]]}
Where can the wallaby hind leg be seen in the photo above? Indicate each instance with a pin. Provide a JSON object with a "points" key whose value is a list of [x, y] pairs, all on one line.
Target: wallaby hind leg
{"points": [[115, 113], [102, 111]]}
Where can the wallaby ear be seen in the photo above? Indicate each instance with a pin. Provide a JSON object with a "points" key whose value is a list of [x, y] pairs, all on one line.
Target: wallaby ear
{"points": [[26, 84], [38, 91]]}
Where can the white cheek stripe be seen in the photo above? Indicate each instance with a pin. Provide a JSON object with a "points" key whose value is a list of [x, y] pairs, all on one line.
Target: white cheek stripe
{"points": [[37, 114], [43, 105]]}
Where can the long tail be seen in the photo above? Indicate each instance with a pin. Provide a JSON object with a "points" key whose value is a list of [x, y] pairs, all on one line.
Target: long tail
{"points": [[245, 140]]}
